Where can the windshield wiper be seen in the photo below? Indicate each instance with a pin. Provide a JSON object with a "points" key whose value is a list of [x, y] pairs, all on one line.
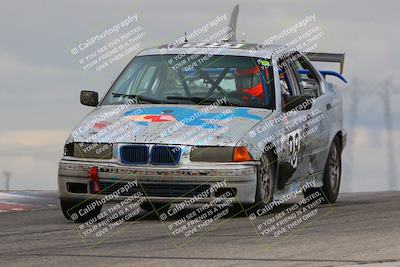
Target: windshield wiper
{"points": [[201, 100], [194, 99], [140, 98]]}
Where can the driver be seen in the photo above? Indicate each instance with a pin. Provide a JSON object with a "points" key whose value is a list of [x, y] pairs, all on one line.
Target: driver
{"points": [[249, 81]]}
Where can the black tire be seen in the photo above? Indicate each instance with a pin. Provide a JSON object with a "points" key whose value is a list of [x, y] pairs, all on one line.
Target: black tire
{"points": [[269, 167], [332, 175], [156, 206], [70, 209], [265, 180]]}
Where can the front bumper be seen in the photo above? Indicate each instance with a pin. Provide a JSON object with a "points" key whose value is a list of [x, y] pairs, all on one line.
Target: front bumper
{"points": [[241, 177]]}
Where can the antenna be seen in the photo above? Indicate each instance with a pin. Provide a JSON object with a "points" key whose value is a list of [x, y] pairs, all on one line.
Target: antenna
{"points": [[231, 34]]}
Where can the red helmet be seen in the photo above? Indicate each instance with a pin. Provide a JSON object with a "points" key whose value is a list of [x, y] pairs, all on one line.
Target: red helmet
{"points": [[249, 81]]}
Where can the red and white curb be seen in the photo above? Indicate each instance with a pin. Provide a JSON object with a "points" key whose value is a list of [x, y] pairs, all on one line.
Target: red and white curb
{"points": [[8, 207], [24, 200]]}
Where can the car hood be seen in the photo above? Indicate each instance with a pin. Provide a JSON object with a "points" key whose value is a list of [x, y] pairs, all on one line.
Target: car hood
{"points": [[198, 125]]}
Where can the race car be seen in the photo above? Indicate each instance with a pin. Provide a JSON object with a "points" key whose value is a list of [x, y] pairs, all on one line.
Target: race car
{"points": [[223, 120]]}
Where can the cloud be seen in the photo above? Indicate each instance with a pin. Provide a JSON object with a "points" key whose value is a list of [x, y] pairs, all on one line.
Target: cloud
{"points": [[30, 139]]}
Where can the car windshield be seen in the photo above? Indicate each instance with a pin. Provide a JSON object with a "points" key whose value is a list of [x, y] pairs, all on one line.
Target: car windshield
{"points": [[193, 79]]}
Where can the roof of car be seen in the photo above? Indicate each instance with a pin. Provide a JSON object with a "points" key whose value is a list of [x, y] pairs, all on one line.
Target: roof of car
{"points": [[223, 48]]}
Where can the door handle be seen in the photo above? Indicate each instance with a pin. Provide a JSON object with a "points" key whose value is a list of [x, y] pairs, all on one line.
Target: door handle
{"points": [[328, 106]]}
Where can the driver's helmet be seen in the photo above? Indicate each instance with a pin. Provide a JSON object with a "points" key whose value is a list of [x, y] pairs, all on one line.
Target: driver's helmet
{"points": [[249, 81]]}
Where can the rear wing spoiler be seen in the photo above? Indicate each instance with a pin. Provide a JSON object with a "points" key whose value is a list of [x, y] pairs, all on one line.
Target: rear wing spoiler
{"points": [[327, 57]]}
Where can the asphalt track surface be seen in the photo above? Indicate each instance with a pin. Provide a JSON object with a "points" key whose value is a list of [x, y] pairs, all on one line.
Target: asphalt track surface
{"points": [[361, 229]]}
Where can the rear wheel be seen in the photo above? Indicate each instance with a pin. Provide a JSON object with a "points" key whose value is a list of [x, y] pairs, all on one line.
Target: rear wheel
{"points": [[71, 208], [332, 175]]}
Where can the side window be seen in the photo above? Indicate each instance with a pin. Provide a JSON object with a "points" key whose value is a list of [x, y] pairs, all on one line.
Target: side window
{"points": [[288, 82], [309, 81]]}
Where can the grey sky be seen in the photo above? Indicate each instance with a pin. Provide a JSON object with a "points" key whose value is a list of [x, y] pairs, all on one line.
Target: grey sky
{"points": [[41, 79]]}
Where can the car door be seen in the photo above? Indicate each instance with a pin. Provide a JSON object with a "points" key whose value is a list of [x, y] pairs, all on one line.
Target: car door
{"points": [[319, 122], [292, 140]]}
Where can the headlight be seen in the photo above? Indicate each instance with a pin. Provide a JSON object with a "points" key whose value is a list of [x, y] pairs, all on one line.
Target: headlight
{"points": [[89, 150], [220, 154]]}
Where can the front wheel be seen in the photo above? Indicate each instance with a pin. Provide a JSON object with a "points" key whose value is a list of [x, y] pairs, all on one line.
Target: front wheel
{"points": [[332, 175], [265, 180], [265, 186]]}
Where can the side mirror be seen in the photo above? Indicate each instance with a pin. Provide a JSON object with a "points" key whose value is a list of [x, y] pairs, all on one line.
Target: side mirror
{"points": [[89, 98], [310, 87], [309, 84], [298, 102]]}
